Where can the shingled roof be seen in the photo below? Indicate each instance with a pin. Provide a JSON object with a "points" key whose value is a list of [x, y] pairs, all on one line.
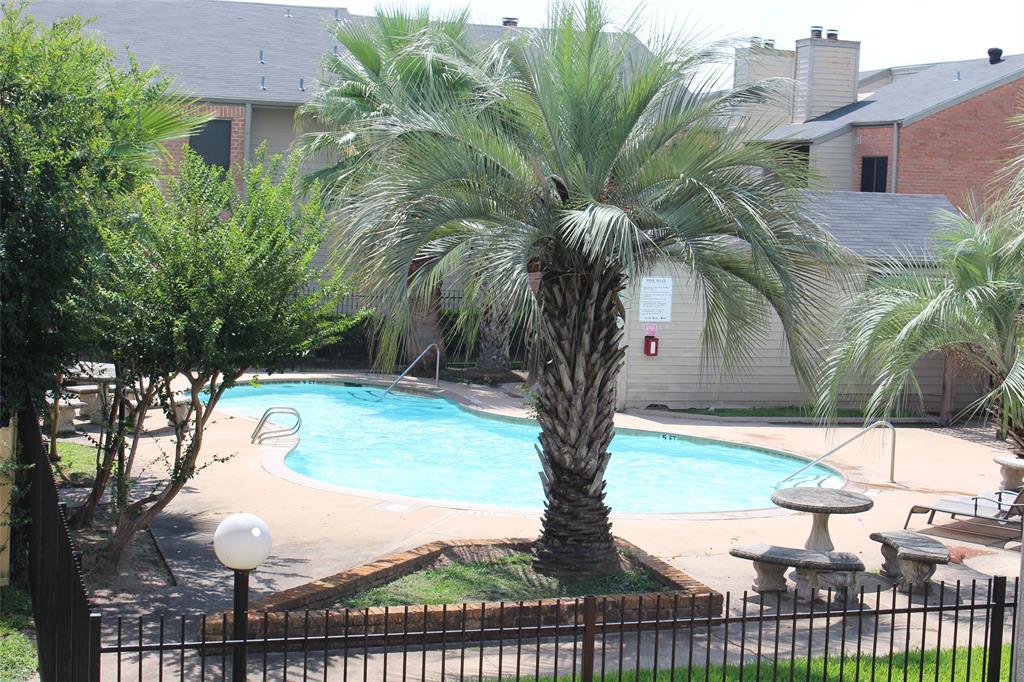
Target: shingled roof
{"points": [[910, 98], [213, 47], [882, 225]]}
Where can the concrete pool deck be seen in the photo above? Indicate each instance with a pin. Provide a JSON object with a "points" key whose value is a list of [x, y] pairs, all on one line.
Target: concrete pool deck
{"points": [[319, 532]]}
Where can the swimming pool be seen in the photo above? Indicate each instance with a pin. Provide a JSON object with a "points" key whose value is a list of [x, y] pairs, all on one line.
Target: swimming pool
{"points": [[430, 448]]}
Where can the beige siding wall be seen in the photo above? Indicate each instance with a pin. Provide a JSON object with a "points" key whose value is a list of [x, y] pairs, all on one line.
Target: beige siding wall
{"points": [[276, 127], [802, 70], [677, 378], [832, 161], [755, 64], [828, 69]]}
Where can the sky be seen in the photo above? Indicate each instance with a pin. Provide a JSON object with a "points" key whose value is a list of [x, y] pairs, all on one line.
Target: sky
{"points": [[891, 32]]}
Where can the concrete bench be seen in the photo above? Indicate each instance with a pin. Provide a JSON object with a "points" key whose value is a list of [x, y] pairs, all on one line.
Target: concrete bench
{"points": [[66, 411], [180, 409], [910, 558], [89, 394], [771, 562]]}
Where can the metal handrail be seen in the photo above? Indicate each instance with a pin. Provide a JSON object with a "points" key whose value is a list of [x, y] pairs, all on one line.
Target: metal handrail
{"points": [[258, 437], [437, 369], [876, 425]]}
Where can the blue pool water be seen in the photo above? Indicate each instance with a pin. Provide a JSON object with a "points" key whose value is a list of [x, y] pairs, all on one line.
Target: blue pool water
{"points": [[429, 448]]}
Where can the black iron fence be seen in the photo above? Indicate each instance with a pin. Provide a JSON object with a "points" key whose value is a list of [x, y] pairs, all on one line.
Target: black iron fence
{"points": [[67, 631], [945, 632], [354, 350], [949, 632], [448, 301]]}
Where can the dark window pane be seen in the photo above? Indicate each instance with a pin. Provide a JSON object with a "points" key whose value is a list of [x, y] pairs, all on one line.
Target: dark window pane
{"points": [[874, 172], [213, 143]]}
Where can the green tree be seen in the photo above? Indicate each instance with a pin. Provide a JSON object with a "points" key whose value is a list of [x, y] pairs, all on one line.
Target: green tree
{"points": [[75, 132], [578, 164], [205, 281], [967, 302], [400, 57]]}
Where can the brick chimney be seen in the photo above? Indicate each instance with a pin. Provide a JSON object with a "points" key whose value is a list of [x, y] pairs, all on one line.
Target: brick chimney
{"points": [[825, 73]]}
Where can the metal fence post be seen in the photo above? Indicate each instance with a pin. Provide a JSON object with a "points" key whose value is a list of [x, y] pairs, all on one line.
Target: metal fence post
{"points": [[1017, 665], [997, 600], [95, 623], [589, 635]]}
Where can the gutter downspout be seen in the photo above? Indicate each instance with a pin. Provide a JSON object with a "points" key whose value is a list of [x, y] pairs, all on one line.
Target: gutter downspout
{"points": [[895, 152], [247, 138]]}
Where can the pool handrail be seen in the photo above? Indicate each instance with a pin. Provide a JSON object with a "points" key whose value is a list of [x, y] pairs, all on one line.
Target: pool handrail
{"points": [[437, 369], [258, 437], [878, 424]]}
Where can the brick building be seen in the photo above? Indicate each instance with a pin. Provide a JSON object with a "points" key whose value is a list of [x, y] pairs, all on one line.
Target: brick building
{"points": [[929, 130], [923, 129], [251, 64]]}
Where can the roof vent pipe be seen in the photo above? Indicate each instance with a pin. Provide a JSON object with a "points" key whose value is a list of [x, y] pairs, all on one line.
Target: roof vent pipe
{"points": [[769, 43], [263, 82], [261, 56], [995, 55], [832, 34], [815, 31], [288, 12], [337, 15], [509, 21]]}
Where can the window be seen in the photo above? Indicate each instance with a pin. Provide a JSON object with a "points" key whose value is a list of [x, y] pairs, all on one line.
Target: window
{"points": [[873, 174], [213, 143]]}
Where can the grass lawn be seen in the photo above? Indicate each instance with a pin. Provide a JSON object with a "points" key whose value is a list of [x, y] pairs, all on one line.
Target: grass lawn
{"points": [[784, 411], [509, 578], [912, 670], [77, 462], [17, 652]]}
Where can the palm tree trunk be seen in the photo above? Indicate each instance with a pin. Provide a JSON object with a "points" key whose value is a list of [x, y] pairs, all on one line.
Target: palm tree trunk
{"points": [[426, 329], [579, 330], [495, 338], [1015, 434]]}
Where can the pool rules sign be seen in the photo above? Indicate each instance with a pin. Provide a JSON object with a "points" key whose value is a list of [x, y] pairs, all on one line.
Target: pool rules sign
{"points": [[656, 299]]}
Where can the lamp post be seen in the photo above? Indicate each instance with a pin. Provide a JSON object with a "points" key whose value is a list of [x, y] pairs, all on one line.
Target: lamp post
{"points": [[241, 542]]}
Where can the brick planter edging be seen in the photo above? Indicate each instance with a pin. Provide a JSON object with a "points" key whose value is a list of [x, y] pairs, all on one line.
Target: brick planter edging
{"points": [[687, 598]]}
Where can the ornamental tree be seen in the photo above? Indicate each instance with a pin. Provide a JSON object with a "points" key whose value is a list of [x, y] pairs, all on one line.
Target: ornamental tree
{"points": [[76, 131], [206, 280]]}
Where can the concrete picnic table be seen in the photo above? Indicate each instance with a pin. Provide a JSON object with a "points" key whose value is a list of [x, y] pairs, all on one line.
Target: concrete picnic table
{"points": [[99, 373], [1012, 469], [821, 502]]}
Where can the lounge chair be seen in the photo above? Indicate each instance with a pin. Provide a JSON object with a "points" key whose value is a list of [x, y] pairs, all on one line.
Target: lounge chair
{"points": [[998, 509]]}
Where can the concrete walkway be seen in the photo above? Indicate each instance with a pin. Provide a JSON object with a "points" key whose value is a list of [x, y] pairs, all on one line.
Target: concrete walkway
{"points": [[319, 532]]}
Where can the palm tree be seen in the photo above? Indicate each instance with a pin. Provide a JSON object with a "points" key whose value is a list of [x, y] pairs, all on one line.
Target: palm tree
{"points": [[967, 303], [398, 56], [578, 162]]}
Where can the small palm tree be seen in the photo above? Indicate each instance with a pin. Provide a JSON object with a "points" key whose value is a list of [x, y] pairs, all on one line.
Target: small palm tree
{"points": [[400, 58], [967, 303], [578, 162]]}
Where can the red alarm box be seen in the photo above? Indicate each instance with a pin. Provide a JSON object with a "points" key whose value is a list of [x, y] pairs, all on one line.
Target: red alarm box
{"points": [[651, 346]]}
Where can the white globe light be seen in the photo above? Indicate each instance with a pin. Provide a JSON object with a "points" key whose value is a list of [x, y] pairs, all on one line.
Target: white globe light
{"points": [[242, 541]]}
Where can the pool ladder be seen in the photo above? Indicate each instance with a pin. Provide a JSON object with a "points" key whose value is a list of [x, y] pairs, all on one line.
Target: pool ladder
{"points": [[863, 432], [260, 437], [437, 369]]}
